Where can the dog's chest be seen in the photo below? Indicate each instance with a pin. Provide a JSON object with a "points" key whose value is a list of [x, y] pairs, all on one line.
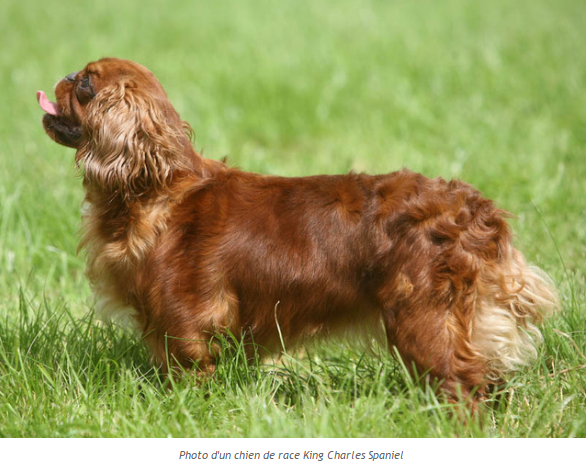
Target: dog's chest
{"points": [[117, 243]]}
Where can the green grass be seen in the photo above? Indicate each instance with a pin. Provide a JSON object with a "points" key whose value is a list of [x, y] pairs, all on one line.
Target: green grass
{"points": [[489, 92]]}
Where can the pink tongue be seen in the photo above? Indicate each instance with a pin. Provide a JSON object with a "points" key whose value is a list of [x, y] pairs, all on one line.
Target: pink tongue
{"points": [[46, 105]]}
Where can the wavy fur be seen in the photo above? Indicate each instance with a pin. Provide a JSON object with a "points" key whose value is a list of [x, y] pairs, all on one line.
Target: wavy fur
{"points": [[190, 248], [129, 147]]}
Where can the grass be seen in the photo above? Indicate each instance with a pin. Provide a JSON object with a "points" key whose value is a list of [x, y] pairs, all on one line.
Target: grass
{"points": [[492, 93]]}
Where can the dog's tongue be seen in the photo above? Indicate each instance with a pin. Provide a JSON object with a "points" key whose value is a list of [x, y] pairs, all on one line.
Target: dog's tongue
{"points": [[46, 105]]}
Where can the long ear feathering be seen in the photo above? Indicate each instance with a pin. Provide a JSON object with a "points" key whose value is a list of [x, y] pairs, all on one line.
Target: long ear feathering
{"points": [[132, 141]]}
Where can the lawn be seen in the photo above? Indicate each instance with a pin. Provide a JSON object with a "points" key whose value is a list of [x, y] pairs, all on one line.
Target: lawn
{"points": [[492, 93]]}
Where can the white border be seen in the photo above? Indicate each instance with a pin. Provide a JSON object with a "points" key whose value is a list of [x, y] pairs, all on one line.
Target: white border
{"points": [[164, 453]]}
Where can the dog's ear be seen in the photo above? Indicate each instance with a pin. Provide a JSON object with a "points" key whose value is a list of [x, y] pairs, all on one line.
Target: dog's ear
{"points": [[132, 140]]}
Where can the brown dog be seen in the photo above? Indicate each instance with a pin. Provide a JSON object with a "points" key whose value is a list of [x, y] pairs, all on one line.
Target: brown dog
{"points": [[189, 248]]}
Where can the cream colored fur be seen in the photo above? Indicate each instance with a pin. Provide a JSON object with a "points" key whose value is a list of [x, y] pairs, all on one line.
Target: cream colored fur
{"points": [[510, 305]]}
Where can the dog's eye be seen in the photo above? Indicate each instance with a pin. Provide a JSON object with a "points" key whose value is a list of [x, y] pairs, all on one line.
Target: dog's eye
{"points": [[84, 90]]}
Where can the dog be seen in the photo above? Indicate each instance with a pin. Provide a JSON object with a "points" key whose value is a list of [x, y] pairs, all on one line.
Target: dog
{"points": [[190, 249]]}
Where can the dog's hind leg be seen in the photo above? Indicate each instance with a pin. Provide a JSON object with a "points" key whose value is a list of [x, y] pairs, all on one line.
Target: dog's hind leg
{"points": [[469, 330], [435, 340]]}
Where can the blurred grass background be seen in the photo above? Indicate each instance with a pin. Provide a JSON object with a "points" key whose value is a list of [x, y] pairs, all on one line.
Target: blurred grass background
{"points": [[489, 92]]}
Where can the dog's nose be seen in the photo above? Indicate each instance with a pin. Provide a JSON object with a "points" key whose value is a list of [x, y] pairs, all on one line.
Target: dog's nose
{"points": [[71, 76]]}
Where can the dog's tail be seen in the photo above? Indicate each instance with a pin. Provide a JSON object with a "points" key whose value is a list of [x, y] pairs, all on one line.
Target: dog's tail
{"points": [[512, 298]]}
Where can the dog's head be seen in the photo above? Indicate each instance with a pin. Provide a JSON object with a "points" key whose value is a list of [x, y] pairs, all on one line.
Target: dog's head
{"points": [[117, 115]]}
